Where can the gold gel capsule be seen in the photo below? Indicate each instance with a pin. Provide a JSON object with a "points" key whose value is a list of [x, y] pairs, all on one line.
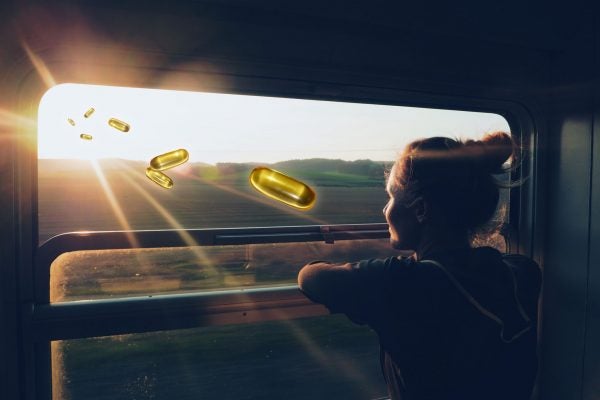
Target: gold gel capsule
{"points": [[89, 112], [118, 124], [85, 136], [159, 178], [283, 188], [169, 160], [71, 122]]}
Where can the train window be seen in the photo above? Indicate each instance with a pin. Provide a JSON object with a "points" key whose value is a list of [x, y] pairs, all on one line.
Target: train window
{"points": [[339, 149], [312, 358], [101, 274], [148, 162]]}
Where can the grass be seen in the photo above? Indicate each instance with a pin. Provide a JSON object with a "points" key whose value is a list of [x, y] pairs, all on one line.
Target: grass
{"points": [[258, 361]]}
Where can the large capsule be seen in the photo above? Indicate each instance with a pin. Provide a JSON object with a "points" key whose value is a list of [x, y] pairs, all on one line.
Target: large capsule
{"points": [[169, 160], [159, 178], [118, 124], [283, 188]]}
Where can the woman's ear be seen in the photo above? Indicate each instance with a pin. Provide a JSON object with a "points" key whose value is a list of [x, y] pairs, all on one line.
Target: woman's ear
{"points": [[420, 209]]}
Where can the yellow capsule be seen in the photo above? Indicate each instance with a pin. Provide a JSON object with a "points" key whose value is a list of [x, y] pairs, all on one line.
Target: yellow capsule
{"points": [[118, 124], [89, 112], [159, 178], [71, 122], [85, 136], [283, 188], [169, 160]]}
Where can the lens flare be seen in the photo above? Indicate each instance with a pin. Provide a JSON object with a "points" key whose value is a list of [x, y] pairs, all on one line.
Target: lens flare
{"points": [[40, 67]]}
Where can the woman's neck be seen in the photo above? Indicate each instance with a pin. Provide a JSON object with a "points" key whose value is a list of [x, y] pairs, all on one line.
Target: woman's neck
{"points": [[435, 239]]}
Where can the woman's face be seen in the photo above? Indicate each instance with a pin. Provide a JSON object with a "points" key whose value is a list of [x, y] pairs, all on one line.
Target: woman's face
{"points": [[404, 227]]}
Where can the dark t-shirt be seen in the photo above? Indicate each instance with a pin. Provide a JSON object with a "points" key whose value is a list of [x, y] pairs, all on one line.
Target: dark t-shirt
{"points": [[458, 328]]}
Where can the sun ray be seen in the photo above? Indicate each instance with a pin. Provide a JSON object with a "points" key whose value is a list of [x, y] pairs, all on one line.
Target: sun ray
{"points": [[142, 260], [40, 66], [312, 348], [341, 364], [171, 220], [114, 203], [13, 120]]}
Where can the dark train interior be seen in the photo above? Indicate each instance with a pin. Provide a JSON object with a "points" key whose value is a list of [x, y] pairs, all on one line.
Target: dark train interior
{"points": [[116, 287]]}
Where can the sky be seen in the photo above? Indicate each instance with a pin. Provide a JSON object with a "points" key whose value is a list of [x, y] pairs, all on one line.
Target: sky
{"points": [[237, 128]]}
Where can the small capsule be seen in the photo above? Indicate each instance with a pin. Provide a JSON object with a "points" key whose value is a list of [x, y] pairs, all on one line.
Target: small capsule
{"points": [[283, 188], [169, 160], [118, 124], [71, 122], [159, 178], [89, 112], [85, 136]]}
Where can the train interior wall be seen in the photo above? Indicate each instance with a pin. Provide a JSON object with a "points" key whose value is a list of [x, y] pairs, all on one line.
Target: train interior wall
{"points": [[545, 59]]}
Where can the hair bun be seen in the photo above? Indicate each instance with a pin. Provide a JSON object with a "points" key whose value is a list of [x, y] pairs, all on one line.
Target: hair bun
{"points": [[454, 176], [498, 148]]}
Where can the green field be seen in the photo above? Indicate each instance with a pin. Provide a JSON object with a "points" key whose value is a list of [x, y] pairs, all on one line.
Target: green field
{"points": [[71, 198], [317, 358]]}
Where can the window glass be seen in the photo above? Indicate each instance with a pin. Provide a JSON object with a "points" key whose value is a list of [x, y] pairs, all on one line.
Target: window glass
{"points": [[340, 150], [313, 358], [98, 274]]}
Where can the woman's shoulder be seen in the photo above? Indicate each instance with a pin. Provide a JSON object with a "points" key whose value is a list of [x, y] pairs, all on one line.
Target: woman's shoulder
{"points": [[520, 261], [389, 264], [492, 265], [526, 271], [398, 270], [386, 270]]}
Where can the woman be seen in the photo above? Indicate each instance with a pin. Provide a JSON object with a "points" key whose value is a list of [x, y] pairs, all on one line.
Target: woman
{"points": [[454, 322]]}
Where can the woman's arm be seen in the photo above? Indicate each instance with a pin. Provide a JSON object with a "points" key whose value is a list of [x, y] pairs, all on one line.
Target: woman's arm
{"points": [[355, 289], [329, 284]]}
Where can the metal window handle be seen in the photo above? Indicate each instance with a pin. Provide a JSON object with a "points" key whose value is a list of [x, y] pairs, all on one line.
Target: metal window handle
{"points": [[327, 234]]}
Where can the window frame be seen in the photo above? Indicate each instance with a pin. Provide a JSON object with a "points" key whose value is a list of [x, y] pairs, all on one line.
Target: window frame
{"points": [[42, 322]]}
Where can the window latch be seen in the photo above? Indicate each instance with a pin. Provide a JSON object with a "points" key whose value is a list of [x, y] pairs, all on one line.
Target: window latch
{"points": [[327, 234]]}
